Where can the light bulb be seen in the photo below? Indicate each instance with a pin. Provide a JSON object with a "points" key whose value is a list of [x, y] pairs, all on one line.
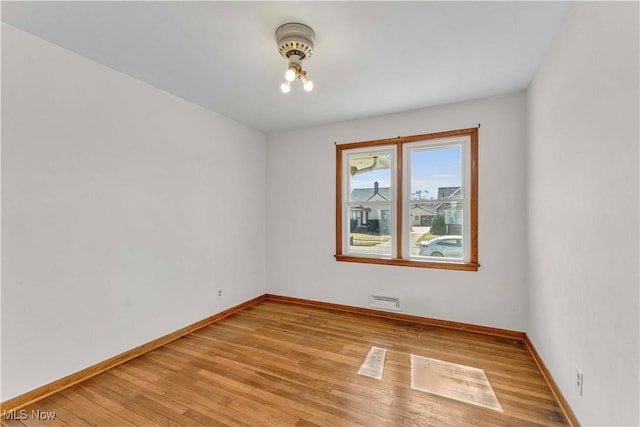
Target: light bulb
{"points": [[308, 86], [285, 86], [290, 74]]}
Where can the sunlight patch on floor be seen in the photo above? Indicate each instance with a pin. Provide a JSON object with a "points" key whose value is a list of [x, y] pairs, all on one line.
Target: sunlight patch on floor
{"points": [[458, 382], [373, 364]]}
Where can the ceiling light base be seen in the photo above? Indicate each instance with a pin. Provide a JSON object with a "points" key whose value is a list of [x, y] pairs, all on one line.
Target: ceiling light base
{"points": [[295, 39]]}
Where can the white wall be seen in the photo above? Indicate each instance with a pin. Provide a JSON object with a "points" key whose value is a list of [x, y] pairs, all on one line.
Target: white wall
{"points": [[583, 211], [301, 218], [124, 208]]}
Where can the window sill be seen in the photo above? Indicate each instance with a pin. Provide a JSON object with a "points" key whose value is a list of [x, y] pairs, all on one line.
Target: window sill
{"points": [[410, 263]]}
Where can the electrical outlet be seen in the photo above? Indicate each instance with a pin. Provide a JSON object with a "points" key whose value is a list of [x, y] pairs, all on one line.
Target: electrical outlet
{"points": [[579, 381], [219, 293]]}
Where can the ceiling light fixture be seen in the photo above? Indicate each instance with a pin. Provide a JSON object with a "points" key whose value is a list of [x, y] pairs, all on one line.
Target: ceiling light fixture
{"points": [[295, 43]]}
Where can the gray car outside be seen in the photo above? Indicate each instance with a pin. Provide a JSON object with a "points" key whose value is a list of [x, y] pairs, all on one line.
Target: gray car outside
{"points": [[443, 246]]}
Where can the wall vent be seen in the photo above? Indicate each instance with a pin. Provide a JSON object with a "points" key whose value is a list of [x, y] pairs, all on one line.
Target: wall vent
{"points": [[385, 303]]}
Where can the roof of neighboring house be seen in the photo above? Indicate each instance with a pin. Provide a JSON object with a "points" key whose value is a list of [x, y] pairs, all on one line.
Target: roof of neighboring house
{"points": [[384, 194], [422, 210], [368, 195], [448, 192]]}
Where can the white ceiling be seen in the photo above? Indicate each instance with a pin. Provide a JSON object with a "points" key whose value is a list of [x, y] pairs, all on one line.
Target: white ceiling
{"points": [[370, 58]]}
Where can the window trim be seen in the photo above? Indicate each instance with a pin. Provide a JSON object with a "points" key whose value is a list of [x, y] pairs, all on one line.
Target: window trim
{"points": [[472, 264]]}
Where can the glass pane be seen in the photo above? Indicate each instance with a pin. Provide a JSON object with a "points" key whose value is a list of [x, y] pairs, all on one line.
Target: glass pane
{"points": [[436, 173], [370, 227], [435, 203], [370, 203], [436, 230], [370, 177]]}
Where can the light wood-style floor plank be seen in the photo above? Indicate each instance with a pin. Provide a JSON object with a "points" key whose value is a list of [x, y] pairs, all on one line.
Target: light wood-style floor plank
{"points": [[279, 364]]}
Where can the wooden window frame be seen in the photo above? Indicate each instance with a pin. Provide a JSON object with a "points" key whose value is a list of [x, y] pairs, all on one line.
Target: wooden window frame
{"points": [[472, 264]]}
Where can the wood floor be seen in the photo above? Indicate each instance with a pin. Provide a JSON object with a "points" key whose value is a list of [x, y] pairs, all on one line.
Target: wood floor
{"points": [[278, 364]]}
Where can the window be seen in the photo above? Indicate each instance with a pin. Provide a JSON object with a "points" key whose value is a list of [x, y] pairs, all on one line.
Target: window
{"points": [[409, 201]]}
